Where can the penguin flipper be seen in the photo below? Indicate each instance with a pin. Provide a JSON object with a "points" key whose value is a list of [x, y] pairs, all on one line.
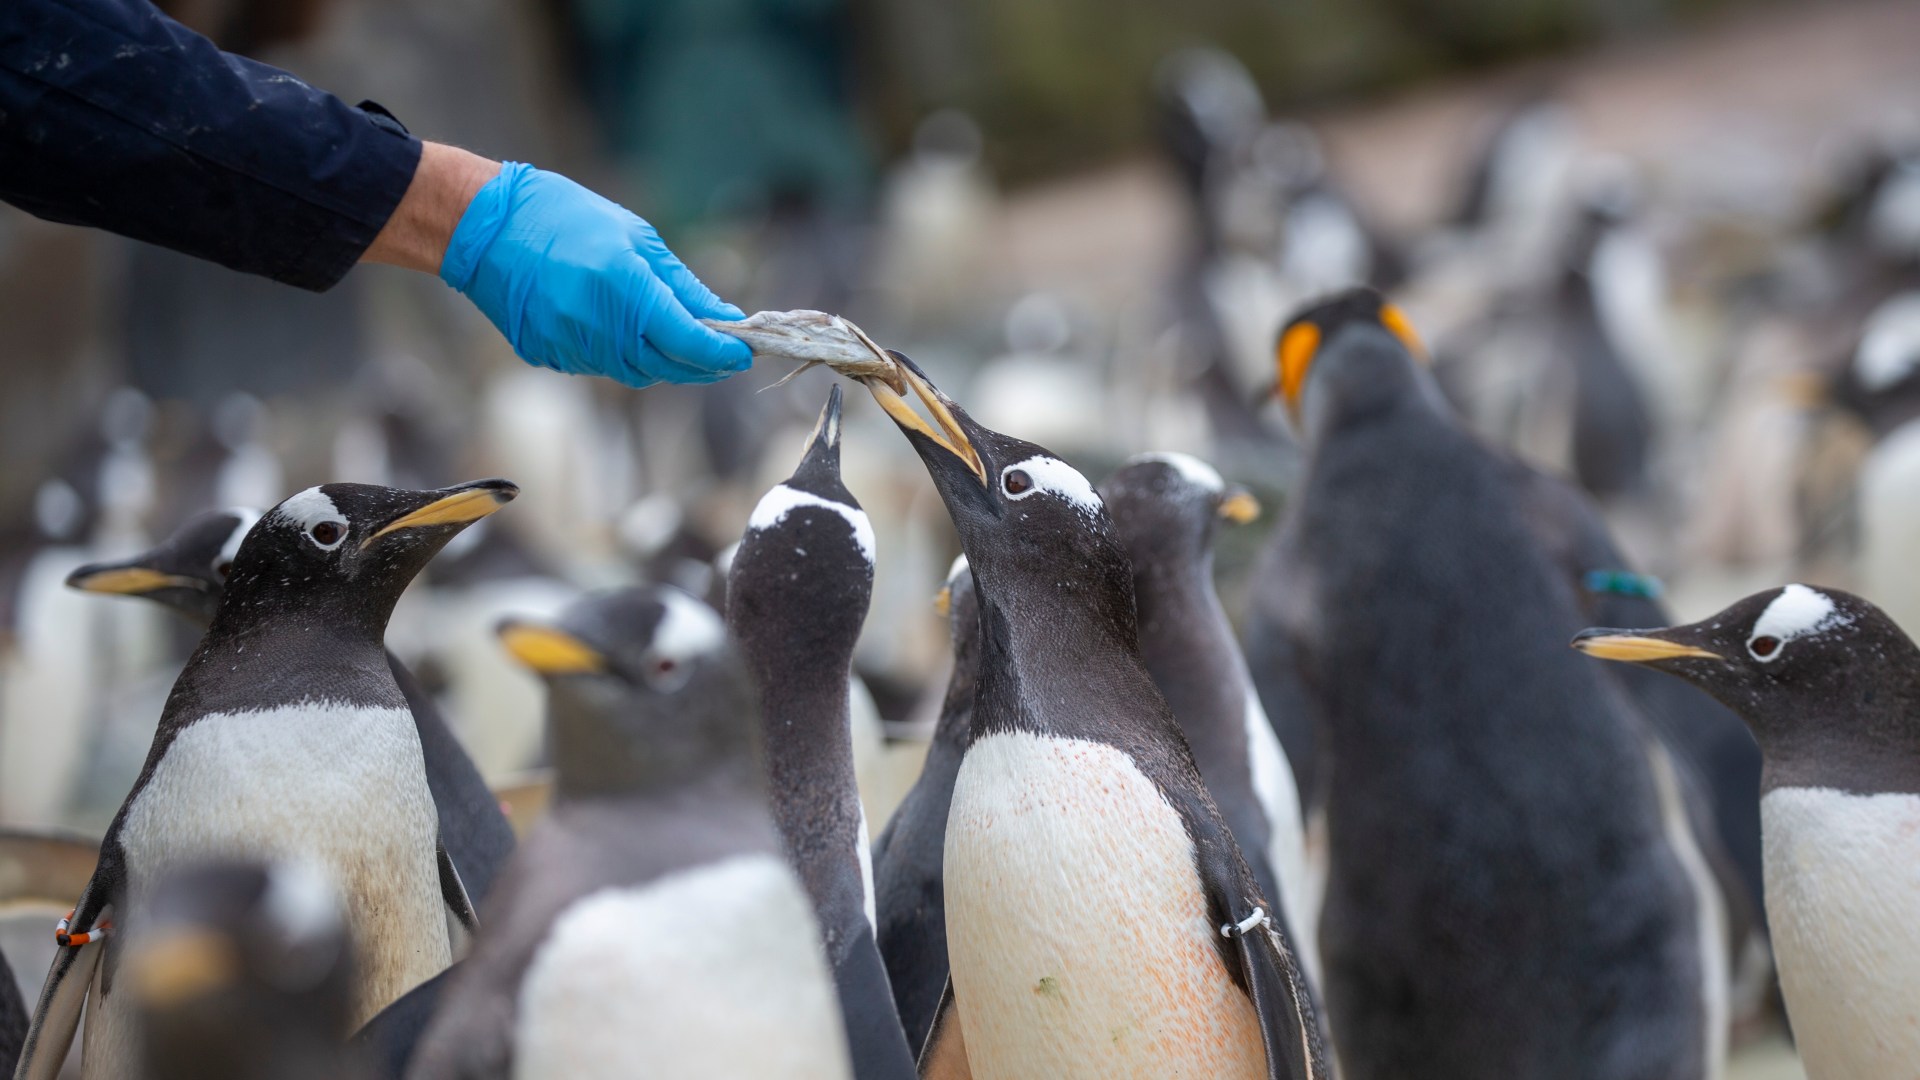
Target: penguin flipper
{"points": [[875, 1038], [944, 1057], [57, 1015], [1289, 1024], [463, 924]]}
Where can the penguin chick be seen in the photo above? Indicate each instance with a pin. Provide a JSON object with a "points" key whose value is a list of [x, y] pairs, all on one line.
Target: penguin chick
{"points": [[243, 971], [1473, 771], [286, 736], [187, 574], [909, 888], [649, 925], [1101, 921], [1831, 689], [1167, 509], [797, 595]]}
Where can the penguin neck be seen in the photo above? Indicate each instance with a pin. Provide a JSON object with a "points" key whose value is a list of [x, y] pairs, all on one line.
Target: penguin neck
{"points": [[247, 662], [1183, 637], [1052, 664], [956, 708], [808, 712], [590, 766], [1873, 751]]}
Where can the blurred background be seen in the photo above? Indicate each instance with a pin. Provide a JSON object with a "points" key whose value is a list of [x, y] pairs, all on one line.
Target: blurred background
{"points": [[1662, 246]]}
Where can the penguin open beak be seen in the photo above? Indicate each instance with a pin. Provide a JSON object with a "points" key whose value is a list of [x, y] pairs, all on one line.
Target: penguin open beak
{"points": [[1638, 647], [129, 578], [548, 650], [1239, 506], [459, 505], [951, 436]]}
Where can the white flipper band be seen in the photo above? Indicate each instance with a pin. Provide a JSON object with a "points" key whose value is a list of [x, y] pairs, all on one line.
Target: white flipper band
{"points": [[1258, 918]]}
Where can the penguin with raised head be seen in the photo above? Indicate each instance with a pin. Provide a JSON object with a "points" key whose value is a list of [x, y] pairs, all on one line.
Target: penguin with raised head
{"points": [[187, 573], [1512, 888], [286, 736], [797, 595], [1167, 508], [1831, 688], [649, 925], [243, 971], [908, 887], [1101, 921]]}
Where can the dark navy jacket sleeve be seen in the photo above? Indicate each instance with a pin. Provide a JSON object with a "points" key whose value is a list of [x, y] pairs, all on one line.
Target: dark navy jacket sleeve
{"points": [[115, 116]]}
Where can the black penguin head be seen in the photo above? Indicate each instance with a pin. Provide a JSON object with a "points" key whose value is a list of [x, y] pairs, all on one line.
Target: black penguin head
{"points": [[1346, 355], [186, 572], [801, 579], [350, 550], [1167, 507], [1031, 524], [643, 690], [1812, 671], [241, 969]]}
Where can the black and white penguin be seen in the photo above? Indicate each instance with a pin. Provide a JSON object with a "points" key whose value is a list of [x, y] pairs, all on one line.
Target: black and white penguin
{"points": [[243, 971], [1513, 889], [797, 595], [909, 889], [649, 925], [286, 737], [1831, 688], [1101, 921], [1166, 509], [187, 573]]}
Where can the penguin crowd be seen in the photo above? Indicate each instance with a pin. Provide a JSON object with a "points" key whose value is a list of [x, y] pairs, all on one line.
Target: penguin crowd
{"points": [[1258, 727]]}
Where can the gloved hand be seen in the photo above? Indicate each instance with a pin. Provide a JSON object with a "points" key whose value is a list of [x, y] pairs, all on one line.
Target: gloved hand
{"points": [[581, 285]]}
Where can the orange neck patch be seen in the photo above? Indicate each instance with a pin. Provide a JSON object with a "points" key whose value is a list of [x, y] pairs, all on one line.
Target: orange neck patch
{"points": [[1297, 347]]}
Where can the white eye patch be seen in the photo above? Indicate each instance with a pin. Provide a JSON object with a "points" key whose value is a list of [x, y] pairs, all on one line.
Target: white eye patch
{"points": [[1795, 613], [959, 567], [310, 510], [776, 504], [1192, 469], [1056, 477], [687, 630]]}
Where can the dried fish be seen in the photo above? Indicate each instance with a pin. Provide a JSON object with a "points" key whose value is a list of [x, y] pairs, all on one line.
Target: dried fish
{"points": [[815, 337]]}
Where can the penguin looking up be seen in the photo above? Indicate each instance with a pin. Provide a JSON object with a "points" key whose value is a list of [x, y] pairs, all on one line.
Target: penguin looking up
{"points": [[1472, 771], [187, 574], [649, 925], [797, 595], [243, 971], [1101, 921], [909, 892], [1831, 688], [1166, 509], [286, 736]]}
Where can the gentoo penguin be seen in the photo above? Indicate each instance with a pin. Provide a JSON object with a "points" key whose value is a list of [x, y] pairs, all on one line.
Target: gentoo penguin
{"points": [[1831, 688], [243, 971], [1166, 509], [797, 594], [187, 573], [1512, 889], [286, 736], [1101, 922], [649, 925], [909, 894]]}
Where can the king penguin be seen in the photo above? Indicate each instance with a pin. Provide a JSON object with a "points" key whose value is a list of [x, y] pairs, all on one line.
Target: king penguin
{"points": [[286, 736], [1166, 509], [1101, 921], [649, 925], [243, 971], [1831, 688], [1512, 888], [797, 594], [187, 574], [909, 892]]}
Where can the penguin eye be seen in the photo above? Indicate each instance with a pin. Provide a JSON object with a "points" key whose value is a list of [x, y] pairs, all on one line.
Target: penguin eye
{"points": [[1763, 646], [222, 568], [1017, 482], [327, 534], [666, 673]]}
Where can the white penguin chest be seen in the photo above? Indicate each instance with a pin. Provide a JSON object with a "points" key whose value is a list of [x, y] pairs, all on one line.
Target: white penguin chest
{"points": [[708, 974], [1078, 931], [1843, 899], [342, 787]]}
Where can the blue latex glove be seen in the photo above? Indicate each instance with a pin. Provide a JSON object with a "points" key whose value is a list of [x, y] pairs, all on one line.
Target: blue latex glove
{"points": [[579, 284]]}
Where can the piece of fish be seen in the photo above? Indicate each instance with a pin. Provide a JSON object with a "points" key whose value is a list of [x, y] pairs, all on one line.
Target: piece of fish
{"points": [[815, 337]]}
